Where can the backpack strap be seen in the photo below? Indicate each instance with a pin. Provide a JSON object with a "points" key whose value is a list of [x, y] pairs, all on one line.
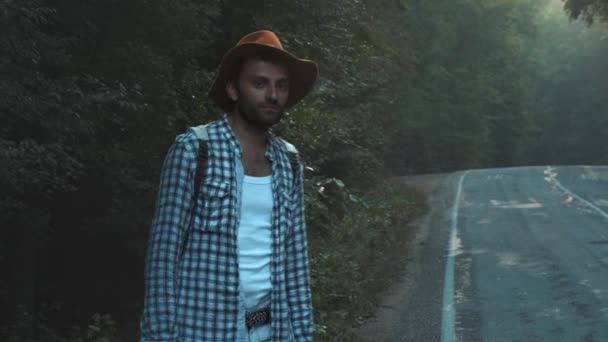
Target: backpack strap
{"points": [[294, 159], [201, 170], [201, 165]]}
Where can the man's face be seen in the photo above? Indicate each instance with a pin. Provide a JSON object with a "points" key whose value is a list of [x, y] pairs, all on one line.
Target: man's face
{"points": [[261, 92]]}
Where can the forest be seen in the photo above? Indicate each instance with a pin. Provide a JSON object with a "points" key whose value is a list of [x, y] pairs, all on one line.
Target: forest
{"points": [[92, 93]]}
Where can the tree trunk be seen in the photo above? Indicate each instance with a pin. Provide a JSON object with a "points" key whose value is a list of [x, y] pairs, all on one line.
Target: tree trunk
{"points": [[29, 225]]}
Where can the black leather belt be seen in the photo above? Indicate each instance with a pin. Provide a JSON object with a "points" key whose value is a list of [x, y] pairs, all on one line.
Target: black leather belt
{"points": [[257, 318]]}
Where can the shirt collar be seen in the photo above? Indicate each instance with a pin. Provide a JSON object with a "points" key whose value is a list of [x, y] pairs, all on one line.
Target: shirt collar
{"points": [[272, 141]]}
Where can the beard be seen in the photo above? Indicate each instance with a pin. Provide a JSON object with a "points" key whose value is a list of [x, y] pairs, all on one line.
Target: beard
{"points": [[258, 117]]}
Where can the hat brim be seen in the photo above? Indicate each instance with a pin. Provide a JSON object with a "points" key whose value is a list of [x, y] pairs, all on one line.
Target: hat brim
{"points": [[302, 74]]}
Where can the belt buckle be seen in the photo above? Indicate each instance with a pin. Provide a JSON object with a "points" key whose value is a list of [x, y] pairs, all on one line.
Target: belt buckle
{"points": [[257, 318]]}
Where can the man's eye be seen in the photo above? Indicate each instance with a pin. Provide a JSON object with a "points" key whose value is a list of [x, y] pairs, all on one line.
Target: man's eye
{"points": [[258, 84]]}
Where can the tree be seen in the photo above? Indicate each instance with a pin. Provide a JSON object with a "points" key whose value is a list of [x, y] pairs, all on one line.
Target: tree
{"points": [[589, 10]]}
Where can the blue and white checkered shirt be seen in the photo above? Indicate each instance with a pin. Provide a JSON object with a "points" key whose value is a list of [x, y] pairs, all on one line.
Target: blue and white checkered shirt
{"points": [[196, 296]]}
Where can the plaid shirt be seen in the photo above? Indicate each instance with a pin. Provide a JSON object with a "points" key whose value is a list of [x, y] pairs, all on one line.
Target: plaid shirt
{"points": [[195, 296]]}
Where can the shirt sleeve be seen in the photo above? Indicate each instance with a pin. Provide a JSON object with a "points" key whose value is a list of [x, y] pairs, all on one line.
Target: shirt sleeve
{"points": [[171, 219], [297, 269]]}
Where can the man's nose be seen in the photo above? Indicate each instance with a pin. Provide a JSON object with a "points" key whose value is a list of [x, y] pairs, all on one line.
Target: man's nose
{"points": [[271, 93]]}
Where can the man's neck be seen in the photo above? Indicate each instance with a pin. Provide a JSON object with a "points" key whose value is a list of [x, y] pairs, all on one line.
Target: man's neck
{"points": [[253, 146], [249, 137]]}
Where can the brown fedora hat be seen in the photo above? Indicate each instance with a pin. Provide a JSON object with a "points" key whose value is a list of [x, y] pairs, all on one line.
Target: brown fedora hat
{"points": [[302, 72]]}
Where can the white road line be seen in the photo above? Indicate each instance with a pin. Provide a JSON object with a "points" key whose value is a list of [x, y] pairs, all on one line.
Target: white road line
{"points": [[589, 204], [449, 311]]}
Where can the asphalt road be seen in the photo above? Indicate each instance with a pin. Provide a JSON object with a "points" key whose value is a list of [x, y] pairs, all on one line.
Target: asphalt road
{"points": [[518, 254]]}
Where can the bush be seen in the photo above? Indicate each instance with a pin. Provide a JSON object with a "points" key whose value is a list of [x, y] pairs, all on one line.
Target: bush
{"points": [[353, 264]]}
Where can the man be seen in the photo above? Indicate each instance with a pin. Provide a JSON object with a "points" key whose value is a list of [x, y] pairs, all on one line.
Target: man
{"points": [[234, 266]]}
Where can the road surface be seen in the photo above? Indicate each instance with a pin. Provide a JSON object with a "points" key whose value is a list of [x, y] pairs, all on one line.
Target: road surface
{"points": [[517, 254]]}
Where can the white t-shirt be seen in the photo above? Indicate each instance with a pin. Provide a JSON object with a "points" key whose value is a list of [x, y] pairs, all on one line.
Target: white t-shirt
{"points": [[254, 241]]}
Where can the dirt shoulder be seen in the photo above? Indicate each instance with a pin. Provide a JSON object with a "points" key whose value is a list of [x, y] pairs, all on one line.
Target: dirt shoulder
{"points": [[411, 308], [424, 183]]}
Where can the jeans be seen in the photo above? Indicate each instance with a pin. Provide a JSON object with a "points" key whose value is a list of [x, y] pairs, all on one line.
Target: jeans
{"points": [[260, 333]]}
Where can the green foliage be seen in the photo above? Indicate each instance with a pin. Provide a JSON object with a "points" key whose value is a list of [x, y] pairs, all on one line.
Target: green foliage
{"points": [[466, 102], [93, 93], [570, 91], [589, 10], [101, 328], [353, 263]]}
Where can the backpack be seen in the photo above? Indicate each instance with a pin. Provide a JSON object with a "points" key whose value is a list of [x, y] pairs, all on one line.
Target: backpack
{"points": [[201, 170]]}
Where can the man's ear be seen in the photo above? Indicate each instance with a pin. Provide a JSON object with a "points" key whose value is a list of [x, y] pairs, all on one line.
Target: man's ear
{"points": [[231, 90]]}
